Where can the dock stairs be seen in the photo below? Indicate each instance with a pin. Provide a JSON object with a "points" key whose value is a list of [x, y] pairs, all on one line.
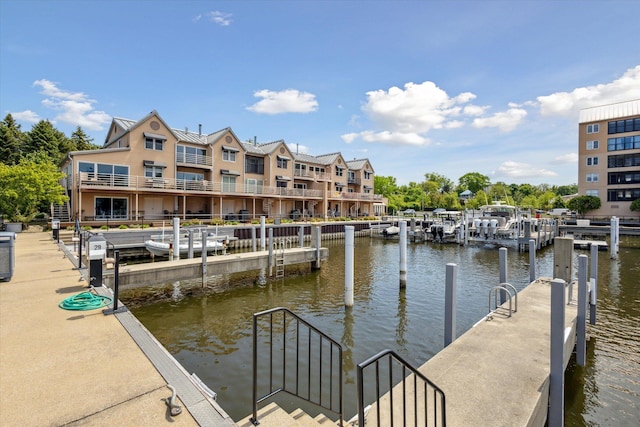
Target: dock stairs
{"points": [[273, 415]]}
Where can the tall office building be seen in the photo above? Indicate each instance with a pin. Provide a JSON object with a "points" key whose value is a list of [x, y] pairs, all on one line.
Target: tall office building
{"points": [[609, 156]]}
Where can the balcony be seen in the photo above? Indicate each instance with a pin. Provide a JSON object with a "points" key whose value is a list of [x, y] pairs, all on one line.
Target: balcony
{"points": [[196, 160]]}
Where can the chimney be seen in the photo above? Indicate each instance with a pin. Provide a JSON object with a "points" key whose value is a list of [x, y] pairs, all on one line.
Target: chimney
{"points": [[200, 129], [297, 147], [186, 129], [255, 141]]}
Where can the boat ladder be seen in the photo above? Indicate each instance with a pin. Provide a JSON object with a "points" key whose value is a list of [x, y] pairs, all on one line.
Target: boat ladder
{"points": [[279, 258]]}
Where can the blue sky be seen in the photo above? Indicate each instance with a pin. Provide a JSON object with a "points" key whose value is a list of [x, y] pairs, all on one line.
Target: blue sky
{"points": [[415, 86]]}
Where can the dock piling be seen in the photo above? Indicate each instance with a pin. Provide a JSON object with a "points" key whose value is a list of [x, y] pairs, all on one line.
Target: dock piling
{"points": [[615, 237], [532, 260], [176, 238], [263, 234], [190, 239], [450, 303], [503, 273], [556, 375], [403, 253], [204, 260], [593, 293], [349, 245], [254, 243], [581, 325]]}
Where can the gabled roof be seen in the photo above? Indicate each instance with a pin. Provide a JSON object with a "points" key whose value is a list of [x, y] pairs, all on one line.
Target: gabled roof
{"points": [[129, 125], [357, 164], [306, 158], [214, 137], [327, 159]]}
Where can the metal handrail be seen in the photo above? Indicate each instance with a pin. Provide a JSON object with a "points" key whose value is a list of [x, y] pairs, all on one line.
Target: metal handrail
{"points": [[334, 364], [506, 287], [437, 396]]}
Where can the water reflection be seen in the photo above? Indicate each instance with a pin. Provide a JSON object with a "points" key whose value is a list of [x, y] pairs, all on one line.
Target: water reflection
{"points": [[211, 335]]}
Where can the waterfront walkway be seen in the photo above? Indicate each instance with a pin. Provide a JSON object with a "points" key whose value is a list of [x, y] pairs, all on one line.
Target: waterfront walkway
{"points": [[60, 367]]}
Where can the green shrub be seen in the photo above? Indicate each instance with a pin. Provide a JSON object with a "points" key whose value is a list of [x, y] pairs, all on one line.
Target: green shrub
{"points": [[104, 227], [123, 227], [86, 228]]}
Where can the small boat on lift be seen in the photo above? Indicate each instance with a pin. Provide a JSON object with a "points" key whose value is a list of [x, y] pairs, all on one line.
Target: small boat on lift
{"points": [[160, 248], [445, 227], [391, 231], [497, 222]]}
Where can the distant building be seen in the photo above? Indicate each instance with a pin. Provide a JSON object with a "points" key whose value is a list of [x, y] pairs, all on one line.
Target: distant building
{"points": [[609, 156], [149, 170]]}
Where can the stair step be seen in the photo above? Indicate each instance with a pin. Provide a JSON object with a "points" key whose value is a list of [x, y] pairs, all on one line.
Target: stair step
{"points": [[323, 420], [303, 418], [274, 416]]}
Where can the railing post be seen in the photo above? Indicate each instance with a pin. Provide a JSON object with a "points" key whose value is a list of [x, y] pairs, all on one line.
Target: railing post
{"points": [[556, 376], [450, 304], [263, 234]]}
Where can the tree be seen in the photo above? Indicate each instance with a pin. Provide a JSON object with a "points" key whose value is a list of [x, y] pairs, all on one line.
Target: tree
{"points": [[584, 204], [385, 185], [635, 205], [474, 181], [11, 140], [80, 141], [566, 190], [44, 137], [444, 184], [24, 187]]}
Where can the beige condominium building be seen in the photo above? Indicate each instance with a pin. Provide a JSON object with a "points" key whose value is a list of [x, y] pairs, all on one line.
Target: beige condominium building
{"points": [[609, 168], [147, 170]]}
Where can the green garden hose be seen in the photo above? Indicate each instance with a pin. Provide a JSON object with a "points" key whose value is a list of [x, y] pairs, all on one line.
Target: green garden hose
{"points": [[85, 301]]}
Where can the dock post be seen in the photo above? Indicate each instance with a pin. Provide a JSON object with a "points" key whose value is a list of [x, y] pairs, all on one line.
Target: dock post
{"points": [[581, 322], [254, 243], [301, 236], [271, 259], [593, 300], [615, 236], [450, 303], [176, 238], [556, 376], [563, 258], [403, 253], [263, 234], [532, 260], [349, 231], [80, 243], [204, 260], [317, 230], [190, 238], [503, 273], [116, 285]]}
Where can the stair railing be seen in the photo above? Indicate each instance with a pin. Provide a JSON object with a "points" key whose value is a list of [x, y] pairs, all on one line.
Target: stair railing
{"points": [[422, 402], [307, 363]]}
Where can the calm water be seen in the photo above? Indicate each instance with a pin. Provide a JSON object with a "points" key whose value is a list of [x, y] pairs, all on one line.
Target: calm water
{"points": [[211, 335]]}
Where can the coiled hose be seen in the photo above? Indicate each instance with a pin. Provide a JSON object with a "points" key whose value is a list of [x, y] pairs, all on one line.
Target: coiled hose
{"points": [[85, 301]]}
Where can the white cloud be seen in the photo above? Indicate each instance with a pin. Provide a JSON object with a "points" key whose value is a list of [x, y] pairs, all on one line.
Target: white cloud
{"points": [[566, 158], [388, 137], [625, 88], [27, 116], [517, 170], [474, 110], [506, 121], [75, 108], [221, 18], [298, 148], [416, 109], [286, 101]]}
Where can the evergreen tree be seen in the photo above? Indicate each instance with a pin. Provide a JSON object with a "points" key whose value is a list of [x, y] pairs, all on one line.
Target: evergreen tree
{"points": [[43, 137], [11, 141], [80, 141]]}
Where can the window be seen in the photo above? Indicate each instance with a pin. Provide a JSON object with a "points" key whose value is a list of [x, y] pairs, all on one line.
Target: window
{"points": [[627, 195], [593, 145], [595, 128], [592, 161], [623, 161], [253, 185], [283, 162], [254, 165], [151, 143], [592, 177], [624, 177], [228, 184], [229, 155], [111, 208], [591, 193], [281, 184], [300, 186], [88, 168], [622, 126], [367, 175], [623, 143], [339, 171], [109, 174], [153, 171]]}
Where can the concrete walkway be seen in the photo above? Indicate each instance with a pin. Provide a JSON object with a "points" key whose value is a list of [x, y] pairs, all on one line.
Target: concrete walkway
{"points": [[60, 367]]}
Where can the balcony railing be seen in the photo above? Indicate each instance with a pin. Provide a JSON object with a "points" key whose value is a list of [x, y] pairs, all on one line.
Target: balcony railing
{"points": [[321, 176], [90, 180], [194, 159]]}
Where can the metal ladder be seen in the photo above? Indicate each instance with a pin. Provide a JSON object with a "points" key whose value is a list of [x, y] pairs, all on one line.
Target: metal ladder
{"points": [[279, 258]]}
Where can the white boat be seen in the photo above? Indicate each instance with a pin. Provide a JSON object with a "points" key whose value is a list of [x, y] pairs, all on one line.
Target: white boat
{"points": [[161, 248], [496, 223], [391, 231], [445, 227]]}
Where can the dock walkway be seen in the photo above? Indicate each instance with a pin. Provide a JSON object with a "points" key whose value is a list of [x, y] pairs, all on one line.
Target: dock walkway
{"points": [[497, 373], [61, 367]]}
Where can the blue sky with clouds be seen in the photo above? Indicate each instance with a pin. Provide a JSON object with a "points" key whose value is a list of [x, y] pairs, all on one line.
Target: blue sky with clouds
{"points": [[416, 86]]}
